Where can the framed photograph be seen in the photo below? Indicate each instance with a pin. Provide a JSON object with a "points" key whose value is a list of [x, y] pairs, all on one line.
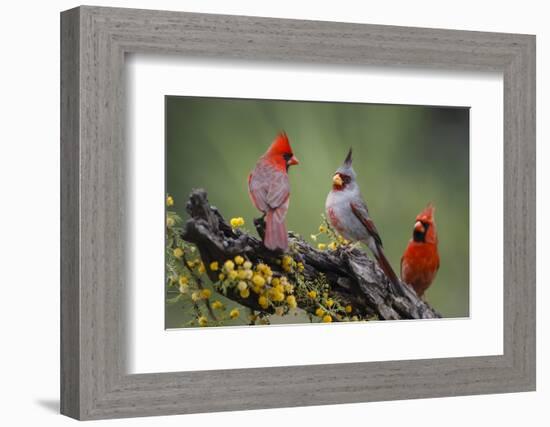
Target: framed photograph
{"points": [[281, 213]]}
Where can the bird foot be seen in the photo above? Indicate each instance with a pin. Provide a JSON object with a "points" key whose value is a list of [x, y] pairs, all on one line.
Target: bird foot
{"points": [[259, 223], [350, 247]]}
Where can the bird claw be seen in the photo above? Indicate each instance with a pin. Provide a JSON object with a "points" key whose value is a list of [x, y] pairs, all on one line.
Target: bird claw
{"points": [[350, 247]]}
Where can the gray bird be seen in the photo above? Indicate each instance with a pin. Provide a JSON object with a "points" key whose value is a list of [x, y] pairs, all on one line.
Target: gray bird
{"points": [[347, 213]]}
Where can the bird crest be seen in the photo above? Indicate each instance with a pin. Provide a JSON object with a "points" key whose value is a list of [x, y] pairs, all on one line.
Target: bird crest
{"points": [[348, 160], [347, 168], [281, 144], [427, 214]]}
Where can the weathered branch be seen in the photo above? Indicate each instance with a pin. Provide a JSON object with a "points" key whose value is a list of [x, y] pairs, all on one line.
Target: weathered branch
{"points": [[353, 277]]}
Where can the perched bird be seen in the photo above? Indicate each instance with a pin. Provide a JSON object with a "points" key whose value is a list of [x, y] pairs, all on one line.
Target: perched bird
{"points": [[348, 215], [420, 260], [269, 190]]}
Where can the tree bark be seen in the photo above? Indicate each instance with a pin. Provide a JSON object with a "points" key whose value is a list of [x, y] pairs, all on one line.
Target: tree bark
{"points": [[353, 277]]}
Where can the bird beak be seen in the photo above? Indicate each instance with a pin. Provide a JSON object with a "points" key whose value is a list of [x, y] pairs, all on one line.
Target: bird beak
{"points": [[337, 180], [419, 227], [293, 161]]}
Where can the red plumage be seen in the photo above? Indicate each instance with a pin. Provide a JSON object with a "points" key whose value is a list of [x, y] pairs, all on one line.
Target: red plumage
{"points": [[420, 261], [269, 190]]}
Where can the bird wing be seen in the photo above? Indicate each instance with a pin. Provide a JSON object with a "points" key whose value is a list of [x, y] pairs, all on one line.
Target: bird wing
{"points": [[360, 210], [269, 188]]}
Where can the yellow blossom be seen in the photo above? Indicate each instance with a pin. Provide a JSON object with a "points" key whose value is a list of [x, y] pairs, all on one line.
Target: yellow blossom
{"points": [[241, 286], [178, 252], [319, 312], [248, 274], [169, 201], [258, 280], [237, 222], [242, 274], [239, 260], [321, 246], [349, 309], [313, 237], [245, 293], [312, 294], [214, 266], [216, 305], [291, 301], [203, 321], [287, 263], [229, 265], [202, 269], [191, 264], [184, 288], [170, 221], [234, 313], [261, 267], [330, 302], [327, 318], [300, 266], [275, 281], [247, 265], [262, 300], [332, 246], [221, 276], [233, 275], [183, 280], [196, 296], [288, 288], [206, 293], [322, 229], [276, 295]]}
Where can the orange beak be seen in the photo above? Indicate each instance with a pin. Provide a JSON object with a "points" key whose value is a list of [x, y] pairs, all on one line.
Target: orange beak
{"points": [[337, 180], [418, 226], [293, 161]]}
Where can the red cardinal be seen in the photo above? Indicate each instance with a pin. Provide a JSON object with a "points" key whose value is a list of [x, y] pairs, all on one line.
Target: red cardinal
{"points": [[420, 261], [348, 214], [269, 190]]}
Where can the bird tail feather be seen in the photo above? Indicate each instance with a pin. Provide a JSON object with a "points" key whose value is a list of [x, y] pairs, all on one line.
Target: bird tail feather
{"points": [[386, 267], [276, 236]]}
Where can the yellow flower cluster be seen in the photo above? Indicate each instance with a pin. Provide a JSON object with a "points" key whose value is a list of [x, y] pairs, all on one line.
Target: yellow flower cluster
{"points": [[169, 201], [290, 265], [237, 222], [336, 240], [270, 290]]}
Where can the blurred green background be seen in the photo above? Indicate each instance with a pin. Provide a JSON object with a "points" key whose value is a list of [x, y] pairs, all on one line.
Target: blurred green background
{"points": [[404, 156]]}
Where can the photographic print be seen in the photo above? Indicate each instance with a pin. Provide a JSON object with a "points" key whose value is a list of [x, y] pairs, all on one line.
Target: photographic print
{"points": [[290, 212]]}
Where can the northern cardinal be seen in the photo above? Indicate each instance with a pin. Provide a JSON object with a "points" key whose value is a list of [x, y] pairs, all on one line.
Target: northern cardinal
{"points": [[420, 260], [348, 214], [269, 190]]}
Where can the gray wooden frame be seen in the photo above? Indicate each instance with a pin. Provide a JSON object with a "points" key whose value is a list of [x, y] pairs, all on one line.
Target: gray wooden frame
{"points": [[94, 41]]}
